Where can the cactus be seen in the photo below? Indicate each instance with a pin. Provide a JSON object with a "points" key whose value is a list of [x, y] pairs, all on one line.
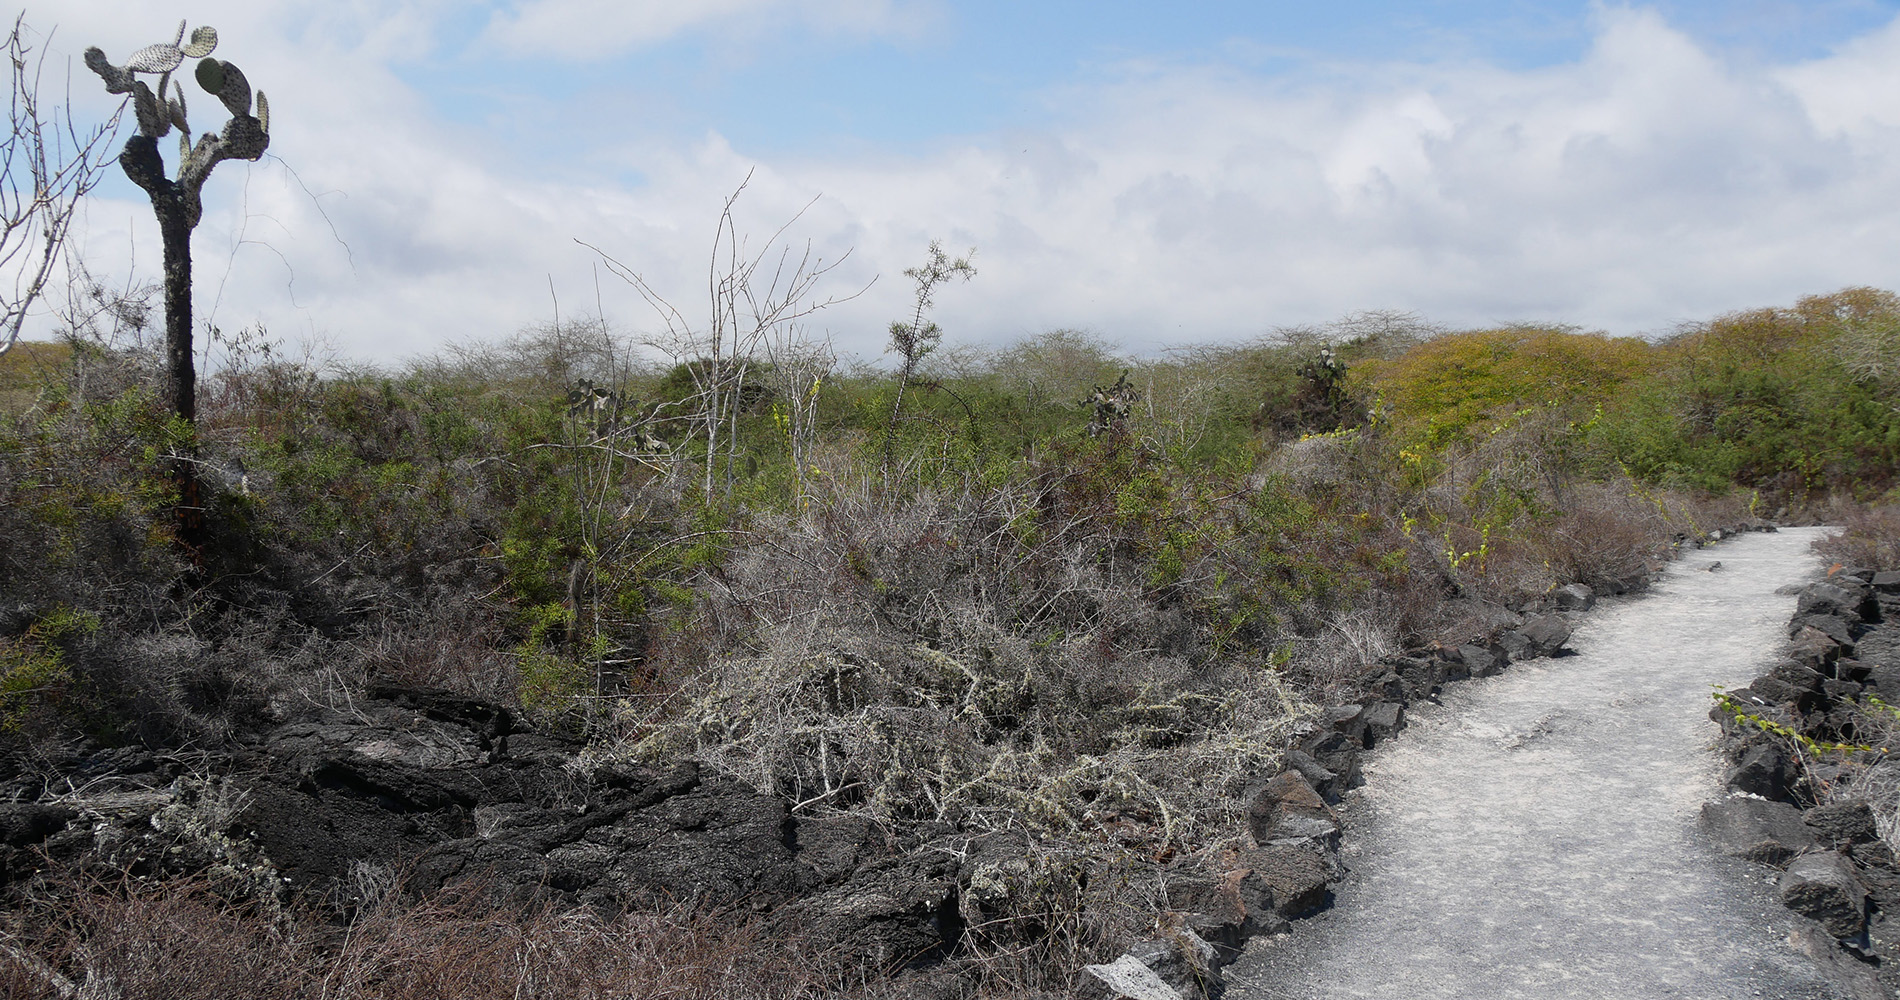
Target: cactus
{"points": [[118, 79], [177, 202], [160, 58], [153, 122], [210, 74], [244, 137], [155, 59], [177, 108]]}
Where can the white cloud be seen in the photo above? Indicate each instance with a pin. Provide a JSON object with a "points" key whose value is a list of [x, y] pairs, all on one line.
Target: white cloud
{"points": [[1856, 87], [1648, 182]]}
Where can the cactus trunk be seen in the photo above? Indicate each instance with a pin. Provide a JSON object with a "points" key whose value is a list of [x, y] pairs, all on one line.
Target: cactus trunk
{"points": [[171, 205]]}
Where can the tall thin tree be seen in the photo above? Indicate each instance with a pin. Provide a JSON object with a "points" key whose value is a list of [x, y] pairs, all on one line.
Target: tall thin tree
{"points": [[913, 341]]}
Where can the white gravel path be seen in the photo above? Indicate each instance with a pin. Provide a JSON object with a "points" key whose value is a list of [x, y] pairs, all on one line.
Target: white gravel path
{"points": [[1535, 835]]}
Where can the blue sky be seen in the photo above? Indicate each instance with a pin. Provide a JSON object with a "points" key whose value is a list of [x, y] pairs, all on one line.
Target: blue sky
{"points": [[1155, 175], [950, 70]]}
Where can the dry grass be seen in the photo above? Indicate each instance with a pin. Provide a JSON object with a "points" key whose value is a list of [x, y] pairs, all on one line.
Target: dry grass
{"points": [[1870, 537], [109, 937], [24, 369]]}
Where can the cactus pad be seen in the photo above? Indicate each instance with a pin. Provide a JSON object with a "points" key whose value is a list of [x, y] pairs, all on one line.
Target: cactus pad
{"points": [[161, 58], [236, 92], [231, 87], [154, 119], [243, 140], [117, 79], [263, 113], [203, 40], [155, 59], [210, 74]]}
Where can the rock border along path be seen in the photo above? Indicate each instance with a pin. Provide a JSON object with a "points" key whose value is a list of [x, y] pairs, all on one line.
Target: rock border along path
{"points": [[1535, 835]]}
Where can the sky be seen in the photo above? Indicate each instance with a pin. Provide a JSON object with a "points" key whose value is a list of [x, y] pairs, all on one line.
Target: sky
{"points": [[445, 172]]}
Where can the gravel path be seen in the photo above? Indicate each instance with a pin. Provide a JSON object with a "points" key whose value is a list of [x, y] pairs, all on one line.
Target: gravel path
{"points": [[1535, 836]]}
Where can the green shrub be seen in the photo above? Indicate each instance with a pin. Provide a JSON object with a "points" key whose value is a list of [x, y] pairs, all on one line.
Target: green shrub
{"points": [[1783, 400], [34, 676], [1441, 391]]}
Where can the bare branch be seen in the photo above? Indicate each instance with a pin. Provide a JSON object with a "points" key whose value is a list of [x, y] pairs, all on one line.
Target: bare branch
{"points": [[47, 164], [748, 311]]}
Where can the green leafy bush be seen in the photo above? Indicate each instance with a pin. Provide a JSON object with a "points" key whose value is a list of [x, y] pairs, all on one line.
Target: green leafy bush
{"points": [[34, 676], [1440, 392], [1784, 400]]}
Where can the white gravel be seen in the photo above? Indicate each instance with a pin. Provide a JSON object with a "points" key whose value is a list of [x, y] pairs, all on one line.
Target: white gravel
{"points": [[1535, 835]]}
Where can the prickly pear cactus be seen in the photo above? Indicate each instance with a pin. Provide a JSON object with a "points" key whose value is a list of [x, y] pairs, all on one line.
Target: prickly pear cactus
{"points": [[177, 107], [118, 79], [153, 121], [159, 110], [159, 58], [165, 57], [245, 136], [210, 74]]}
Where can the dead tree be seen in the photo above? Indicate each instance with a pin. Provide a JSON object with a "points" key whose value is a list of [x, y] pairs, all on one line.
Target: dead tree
{"points": [[757, 298], [46, 166]]}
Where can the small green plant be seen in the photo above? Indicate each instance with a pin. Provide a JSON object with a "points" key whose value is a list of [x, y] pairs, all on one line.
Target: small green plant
{"points": [[33, 670], [1456, 559], [551, 683], [1812, 747]]}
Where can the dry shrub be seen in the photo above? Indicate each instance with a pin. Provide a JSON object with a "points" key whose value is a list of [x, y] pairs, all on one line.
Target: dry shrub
{"points": [[457, 946], [932, 657], [113, 937], [1869, 537], [80, 520], [1879, 786], [1317, 462], [1608, 533], [460, 646], [1355, 641]]}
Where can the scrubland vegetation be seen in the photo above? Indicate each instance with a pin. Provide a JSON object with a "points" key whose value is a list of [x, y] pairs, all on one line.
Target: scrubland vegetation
{"points": [[1039, 587]]}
